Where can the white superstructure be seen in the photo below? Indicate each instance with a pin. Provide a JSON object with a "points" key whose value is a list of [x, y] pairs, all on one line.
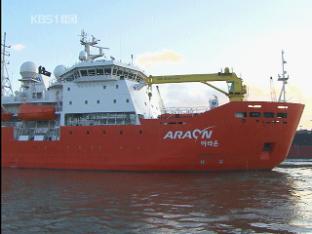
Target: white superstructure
{"points": [[92, 92]]}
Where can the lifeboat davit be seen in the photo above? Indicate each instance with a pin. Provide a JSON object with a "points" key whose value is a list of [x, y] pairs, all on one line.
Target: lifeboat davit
{"points": [[31, 112]]}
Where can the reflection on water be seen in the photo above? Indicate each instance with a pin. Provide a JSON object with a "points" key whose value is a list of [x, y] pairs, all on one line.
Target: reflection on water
{"points": [[96, 202]]}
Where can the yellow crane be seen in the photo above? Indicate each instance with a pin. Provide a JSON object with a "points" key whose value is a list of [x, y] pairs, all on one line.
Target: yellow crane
{"points": [[236, 88]]}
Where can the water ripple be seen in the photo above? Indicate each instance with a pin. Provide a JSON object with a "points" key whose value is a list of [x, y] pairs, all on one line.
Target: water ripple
{"points": [[45, 201]]}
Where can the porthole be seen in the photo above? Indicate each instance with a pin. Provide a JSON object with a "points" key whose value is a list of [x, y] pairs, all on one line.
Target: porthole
{"points": [[86, 101], [240, 114], [268, 115], [121, 132], [115, 100], [104, 87], [68, 89], [70, 102], [141, 132], [281, 115], [117, 86], [127, 100], [255, 114], [88, 132], [98, 101]]}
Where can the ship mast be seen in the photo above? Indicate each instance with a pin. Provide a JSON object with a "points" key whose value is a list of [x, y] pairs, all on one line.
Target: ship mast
{"points": [[87, 47], [283, 77], [6, 88]]}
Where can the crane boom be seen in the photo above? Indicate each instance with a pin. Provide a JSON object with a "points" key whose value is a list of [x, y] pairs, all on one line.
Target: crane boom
{"points": [[236, 88]]}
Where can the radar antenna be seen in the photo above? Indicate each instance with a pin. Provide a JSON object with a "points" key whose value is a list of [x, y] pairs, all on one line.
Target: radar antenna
{"points": [[91, 43], [284, 78], [6, 88]]}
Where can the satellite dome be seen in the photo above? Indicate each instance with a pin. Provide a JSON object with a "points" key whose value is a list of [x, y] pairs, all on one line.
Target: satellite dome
{"points": [[59, 70], [83, 55], [28, 70]]}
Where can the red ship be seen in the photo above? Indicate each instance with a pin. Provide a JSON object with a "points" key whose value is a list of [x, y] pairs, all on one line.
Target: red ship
{"points": [[105, 115]]}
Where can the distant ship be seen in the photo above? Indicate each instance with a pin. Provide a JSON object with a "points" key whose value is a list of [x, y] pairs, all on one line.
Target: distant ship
{"points": [[102, 114], [302, 145]]}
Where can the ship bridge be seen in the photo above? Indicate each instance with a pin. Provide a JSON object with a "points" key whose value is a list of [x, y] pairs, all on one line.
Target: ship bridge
{"points": [[100, 91]]}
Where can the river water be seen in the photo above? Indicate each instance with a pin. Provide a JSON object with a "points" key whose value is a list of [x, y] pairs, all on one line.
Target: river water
{"points": [[55, 201]]}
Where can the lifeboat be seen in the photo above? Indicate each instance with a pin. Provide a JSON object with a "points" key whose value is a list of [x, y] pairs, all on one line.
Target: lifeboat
{"points": [[6, 116], [31, 112]]}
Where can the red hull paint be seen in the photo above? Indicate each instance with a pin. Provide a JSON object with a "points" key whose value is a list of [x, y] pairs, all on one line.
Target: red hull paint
{"points": [[31, 112], [143, 147]]}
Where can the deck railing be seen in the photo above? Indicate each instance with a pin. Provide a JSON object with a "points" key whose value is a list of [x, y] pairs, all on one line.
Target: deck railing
{"points": [[185, 110]]}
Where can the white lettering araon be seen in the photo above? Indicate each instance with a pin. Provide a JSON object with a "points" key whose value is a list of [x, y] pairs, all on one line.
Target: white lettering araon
{"points": [[191, 134]]}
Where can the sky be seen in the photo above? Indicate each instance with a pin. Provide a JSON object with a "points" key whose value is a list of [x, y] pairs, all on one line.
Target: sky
{"points": [[174, 37]]}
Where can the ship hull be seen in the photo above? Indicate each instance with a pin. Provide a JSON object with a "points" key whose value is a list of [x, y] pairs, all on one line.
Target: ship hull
{"points": [[212, 141]]}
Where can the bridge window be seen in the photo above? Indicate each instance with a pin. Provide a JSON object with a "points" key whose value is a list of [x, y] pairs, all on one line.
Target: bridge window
{"points": [[83, 73], [91, 72], [76, 74], [108, 71], [99, 72], [119, 72]]}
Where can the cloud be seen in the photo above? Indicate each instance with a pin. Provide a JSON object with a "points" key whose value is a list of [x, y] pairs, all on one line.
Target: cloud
{"points": [[165, 56], [18, 47]]}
